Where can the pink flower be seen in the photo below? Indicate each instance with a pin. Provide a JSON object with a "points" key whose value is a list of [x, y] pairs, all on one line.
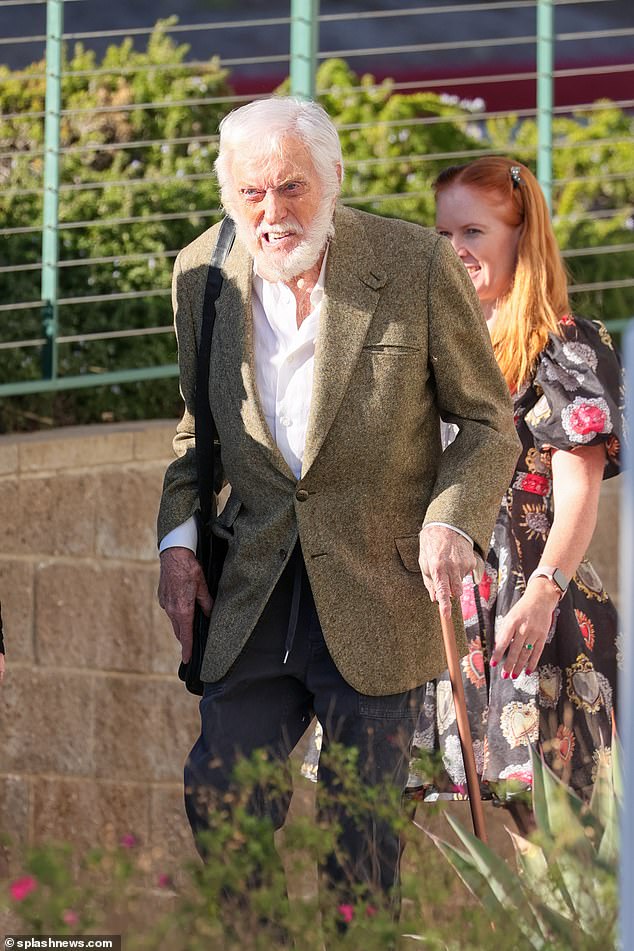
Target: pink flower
{"points": [[484, 586], [128, 841], [347, 913], [70, 917], [583, 418], [164, 880], [533, 482], [587, 419], [520, 775], [370, 911], [467, 602], [22, 887]]}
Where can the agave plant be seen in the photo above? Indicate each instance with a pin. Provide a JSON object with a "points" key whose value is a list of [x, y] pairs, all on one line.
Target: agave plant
{"points": [[564, 893]]}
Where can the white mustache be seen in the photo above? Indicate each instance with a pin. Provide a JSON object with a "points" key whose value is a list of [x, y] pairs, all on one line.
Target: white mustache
{"points": [[278, 229]]}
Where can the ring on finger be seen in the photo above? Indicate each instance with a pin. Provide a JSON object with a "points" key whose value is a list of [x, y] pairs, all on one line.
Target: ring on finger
{"points": [[528, 647]]}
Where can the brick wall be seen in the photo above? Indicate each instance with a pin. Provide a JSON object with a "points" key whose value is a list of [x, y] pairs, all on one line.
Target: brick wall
{"points": [[94, 725]]}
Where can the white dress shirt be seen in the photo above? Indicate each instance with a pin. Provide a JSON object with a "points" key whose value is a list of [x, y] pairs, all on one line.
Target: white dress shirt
{"points": [[284, 363]]}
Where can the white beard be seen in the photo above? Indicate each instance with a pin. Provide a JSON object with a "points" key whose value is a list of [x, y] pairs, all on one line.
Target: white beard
{"points": [[284, 267]]}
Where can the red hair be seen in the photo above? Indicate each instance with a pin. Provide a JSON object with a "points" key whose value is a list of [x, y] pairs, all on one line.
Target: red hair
{"points": [[538, 296]]}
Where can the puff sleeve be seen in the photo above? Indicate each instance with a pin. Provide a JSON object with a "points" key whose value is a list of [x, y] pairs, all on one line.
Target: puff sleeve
{"points": [[579, 380]]}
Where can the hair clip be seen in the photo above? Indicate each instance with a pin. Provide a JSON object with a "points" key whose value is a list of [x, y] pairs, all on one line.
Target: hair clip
{"points": [[515, 175]]}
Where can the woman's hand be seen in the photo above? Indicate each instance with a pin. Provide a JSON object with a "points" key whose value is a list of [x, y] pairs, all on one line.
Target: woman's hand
{"points": [[525, 628], [576, 485]]}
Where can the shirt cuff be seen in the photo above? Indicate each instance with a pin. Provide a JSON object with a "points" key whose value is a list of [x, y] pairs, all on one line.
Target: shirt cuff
{"points": [[453, 529], [478, 571], [183, 536]]}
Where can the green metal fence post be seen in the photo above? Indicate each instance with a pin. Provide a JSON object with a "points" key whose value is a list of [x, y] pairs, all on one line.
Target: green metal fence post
{"points": [[50, 222], [304, 44], [545, 38]]}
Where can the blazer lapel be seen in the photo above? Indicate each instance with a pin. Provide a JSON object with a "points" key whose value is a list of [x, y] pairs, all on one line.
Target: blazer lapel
{"points": [[353, 282], [234, 320]]}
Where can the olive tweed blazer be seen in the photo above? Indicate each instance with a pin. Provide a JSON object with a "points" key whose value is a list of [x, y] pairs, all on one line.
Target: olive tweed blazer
{"points": [[401, 342]]}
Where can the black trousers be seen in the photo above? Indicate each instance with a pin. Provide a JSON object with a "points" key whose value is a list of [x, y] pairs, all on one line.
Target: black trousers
{"points": [[264, 703]]}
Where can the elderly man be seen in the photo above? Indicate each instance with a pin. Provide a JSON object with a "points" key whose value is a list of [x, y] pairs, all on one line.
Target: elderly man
{"points": [[341, 338]]}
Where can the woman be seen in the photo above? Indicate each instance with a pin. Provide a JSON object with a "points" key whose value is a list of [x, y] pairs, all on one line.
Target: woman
{"points": [[542, 631]]}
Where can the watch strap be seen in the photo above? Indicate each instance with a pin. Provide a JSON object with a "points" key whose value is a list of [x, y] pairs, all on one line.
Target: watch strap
{"points": [[555, 575]]}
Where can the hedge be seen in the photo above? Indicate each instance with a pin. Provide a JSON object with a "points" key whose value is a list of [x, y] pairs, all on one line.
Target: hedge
{"points": [[172, 176]]}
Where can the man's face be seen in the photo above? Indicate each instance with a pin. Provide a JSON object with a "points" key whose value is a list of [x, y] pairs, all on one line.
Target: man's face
{"points": [[280, 210]]}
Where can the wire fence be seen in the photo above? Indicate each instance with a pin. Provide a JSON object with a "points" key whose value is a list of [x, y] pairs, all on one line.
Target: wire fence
{"points": [[106, 156]]}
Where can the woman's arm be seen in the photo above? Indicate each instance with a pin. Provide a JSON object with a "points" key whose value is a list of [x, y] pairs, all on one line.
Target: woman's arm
{"points": [[576, 487]]}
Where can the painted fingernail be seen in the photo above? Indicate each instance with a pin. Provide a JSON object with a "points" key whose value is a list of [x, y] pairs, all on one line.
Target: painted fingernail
{"points": [[494, 663], [505, 675], [528, 672], [514, 676]]}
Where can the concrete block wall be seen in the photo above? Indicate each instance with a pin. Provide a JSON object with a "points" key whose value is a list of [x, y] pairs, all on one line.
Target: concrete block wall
{"points": [[94, 725]]}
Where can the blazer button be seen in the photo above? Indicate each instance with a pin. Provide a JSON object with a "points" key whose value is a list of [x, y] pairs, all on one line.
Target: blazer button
{"points": [[301, 495]]}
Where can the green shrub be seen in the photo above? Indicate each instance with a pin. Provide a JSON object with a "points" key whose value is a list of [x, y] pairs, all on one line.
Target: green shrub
{"points": [[222, 906], [564, 896], [131, 181], [170, 187], [593, 177], [565, 891]]}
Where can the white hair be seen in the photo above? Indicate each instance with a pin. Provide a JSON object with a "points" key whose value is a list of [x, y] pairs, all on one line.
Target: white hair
{"points": [[260, 128]]}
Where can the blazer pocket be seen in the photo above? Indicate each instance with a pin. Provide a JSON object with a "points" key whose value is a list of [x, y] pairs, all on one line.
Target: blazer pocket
{"points": [[408, 548], [391, 349], [223, 524]]}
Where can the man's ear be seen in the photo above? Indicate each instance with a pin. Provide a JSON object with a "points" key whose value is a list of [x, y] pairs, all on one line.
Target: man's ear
{"points": [[339, 172]]}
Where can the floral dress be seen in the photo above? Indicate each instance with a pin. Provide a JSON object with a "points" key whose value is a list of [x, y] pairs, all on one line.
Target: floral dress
{"points": [[564, 707]]}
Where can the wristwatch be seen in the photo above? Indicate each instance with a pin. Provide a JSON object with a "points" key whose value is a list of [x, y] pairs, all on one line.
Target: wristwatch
{"points": [[555, 575]]}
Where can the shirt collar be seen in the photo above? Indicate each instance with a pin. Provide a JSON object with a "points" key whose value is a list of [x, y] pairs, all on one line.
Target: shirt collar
{"points": [[275, 290]]}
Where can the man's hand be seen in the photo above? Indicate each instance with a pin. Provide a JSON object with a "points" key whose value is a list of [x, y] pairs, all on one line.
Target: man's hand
{"points": [[181, 585], [445, 558]]}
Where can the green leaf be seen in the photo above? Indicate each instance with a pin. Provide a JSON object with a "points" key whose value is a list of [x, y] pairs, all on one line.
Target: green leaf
{"points": [[496, 902], [602, 802], [604, 806], [578, 882], [529, 855], [540, 805], [608, 851], [533, 866], [477, 883], [560, 926], [566, 820], [617, 772], [502, 879]]}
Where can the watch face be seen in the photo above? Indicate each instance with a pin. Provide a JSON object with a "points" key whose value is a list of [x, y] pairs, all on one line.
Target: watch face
{"points": [[560, 579]]}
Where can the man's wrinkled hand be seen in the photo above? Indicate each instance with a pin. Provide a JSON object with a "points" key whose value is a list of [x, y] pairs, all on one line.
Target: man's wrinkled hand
{"points": [[182, 584], [445, 558]]}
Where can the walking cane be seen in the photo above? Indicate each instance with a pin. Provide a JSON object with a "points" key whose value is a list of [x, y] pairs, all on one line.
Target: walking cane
{"points": [[464, 730]]}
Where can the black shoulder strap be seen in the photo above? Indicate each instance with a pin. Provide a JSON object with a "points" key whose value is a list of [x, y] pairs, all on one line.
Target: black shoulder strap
{"points": [[206, 432]]}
